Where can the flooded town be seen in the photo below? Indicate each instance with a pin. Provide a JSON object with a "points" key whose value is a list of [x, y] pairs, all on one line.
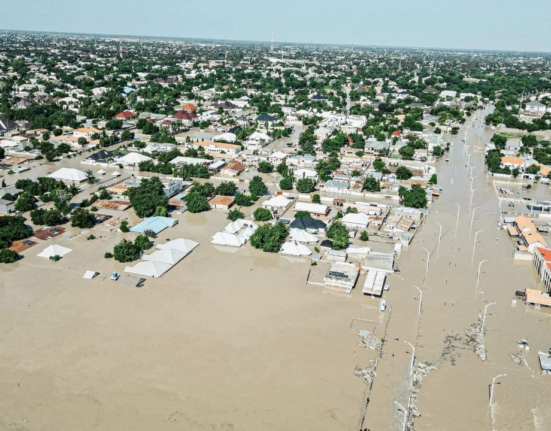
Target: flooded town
{"points": [[223, 235]]}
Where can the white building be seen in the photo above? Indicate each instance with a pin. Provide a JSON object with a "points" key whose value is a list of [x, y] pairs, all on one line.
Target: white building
{"points": [[536, 107], [341, 277]]}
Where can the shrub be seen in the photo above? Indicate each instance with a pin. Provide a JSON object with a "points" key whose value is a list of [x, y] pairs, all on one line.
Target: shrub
{"points": [[8, 256], [235, 214], [262, 214], [143, 242]]}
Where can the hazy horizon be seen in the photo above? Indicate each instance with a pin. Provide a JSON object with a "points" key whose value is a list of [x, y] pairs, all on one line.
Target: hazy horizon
{"points": [[492, 25]]}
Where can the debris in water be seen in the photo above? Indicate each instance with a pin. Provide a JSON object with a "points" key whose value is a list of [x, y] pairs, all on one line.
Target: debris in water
{"points": [[369, 341]]}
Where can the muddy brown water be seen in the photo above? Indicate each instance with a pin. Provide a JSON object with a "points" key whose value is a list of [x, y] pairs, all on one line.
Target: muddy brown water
{"points": [[236, 340]]}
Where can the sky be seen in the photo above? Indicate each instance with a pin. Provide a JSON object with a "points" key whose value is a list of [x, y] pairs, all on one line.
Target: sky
{"points": [[462, 24]]}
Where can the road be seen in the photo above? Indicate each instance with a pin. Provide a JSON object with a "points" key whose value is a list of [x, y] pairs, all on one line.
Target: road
{"points": [[455, 395]]}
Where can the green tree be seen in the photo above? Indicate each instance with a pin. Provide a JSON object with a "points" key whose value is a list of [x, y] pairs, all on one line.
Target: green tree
{"points": [[306, 185], [53, 217], [316, 199], [269, 238], [416, 197], [196, 203], [8, 256], [265, 167], [300, 214], [286, 183], [533, 169], [262, 214], [403, 173], [407, 152], [143, 242], [257, 186], [90, 178], [283, 169], [226, 188], [147, 197], [126, 251], [434, 179], [13, 228], [438, 151], [243, 200], [124, 227], [25, 202], [37, 216], [371, 185], [339, 234], [378, 165], [364, 236], [235, 214], [82, 218]]}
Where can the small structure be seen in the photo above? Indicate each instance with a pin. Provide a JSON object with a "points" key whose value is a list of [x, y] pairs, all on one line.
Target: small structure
{"points": [[222, 202], [69, 175], [168, 256], [308, 224], [89, 275], [54, 250], [47, 233], [149, 269], [277, 203], [545, 362], [303, 236], [342, 277], [317, 209], [380, 261], [537, 297], [6, 207], [156, 224], [294, 248], [374, 283], [184, 245], [133, 159], [229, 239], [355, 221], [245, 227]]}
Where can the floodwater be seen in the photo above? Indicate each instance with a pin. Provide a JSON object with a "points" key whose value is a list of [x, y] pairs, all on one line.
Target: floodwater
{"points": [[223, 341], [238, 341], [454, 395]]}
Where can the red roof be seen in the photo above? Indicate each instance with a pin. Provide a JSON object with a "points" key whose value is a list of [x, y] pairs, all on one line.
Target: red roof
{"points": [[350, 140], [125, 114], [545, 253], [396, 133], [182, 115], [189, 107]]}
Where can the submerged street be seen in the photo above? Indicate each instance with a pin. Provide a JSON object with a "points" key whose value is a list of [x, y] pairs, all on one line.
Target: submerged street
{"points": [[455, 394]]}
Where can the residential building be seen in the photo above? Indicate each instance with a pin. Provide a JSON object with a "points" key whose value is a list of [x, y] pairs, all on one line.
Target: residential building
{"points": [[217, 147], [536, 107], [341, 277]]}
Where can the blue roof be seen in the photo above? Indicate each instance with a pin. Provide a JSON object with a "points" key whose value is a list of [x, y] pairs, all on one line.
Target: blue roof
{"points": [[155, 224]]}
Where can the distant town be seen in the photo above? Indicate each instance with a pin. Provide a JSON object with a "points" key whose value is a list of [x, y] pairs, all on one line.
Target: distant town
{"points": [[401, 191]]}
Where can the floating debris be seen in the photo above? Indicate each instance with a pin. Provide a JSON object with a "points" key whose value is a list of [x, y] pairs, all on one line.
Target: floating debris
{"points": [[367, 374], [475, 339], [517, 358], [369, 341]]}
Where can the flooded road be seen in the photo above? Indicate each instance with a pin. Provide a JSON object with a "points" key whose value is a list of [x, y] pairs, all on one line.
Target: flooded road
{"points": [[454, 394]]}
